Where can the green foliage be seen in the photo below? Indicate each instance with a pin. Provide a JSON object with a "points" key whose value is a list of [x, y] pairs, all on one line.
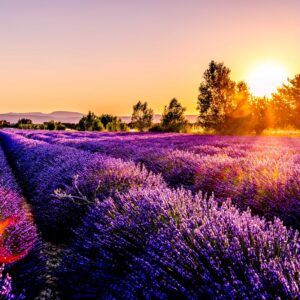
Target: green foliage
{"points": [[123, 126], [50, 125], [24, 121], [227, 107], [97, 125], [286, 104], [60, 126], [173, 119], [142, 116], [156, 128], [90, 122], [24, 124], [115, 124], [261, 115], [105, 119], [215, 96], [238, 119]]}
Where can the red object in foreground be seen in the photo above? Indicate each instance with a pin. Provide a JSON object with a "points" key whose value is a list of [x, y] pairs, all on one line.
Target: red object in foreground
{"points": [[5, 255]]}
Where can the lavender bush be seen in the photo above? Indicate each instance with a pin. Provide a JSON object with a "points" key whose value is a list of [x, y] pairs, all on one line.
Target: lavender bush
{"points": [[20, 245], [139, 239], [259, 172], [6, 292], [164, 244], [62, 181]]}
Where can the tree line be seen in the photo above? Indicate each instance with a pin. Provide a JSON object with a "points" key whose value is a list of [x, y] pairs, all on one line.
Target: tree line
{"points": [[228, 107], [225, 107], [142, 120]]}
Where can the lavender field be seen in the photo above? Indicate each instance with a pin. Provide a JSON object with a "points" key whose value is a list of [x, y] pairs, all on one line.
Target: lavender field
{"points": [[90, 215]]}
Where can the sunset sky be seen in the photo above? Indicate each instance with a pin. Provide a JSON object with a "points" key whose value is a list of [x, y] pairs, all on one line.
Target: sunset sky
{"points": [[104, 56]]}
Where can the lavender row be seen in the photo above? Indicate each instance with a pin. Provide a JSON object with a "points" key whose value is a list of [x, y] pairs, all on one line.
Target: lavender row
{"points": [[162, 244], [231, 145], [262, 173], [20, 246], [61, 182], [152, 242]]}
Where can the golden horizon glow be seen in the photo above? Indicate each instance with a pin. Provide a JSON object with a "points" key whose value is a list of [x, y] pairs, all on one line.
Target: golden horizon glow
{"points": [[265, 78], [105, 56]]}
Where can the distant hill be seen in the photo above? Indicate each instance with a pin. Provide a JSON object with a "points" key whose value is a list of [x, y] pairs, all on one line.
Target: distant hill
{"points": [[39, 118], [66, 117]]}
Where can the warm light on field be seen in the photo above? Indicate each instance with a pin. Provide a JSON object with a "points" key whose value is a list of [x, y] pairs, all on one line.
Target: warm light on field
{"points": [[264, 79]]}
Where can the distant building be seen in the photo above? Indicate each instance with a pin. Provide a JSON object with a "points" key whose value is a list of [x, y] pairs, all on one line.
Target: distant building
{"points": [[4, 123]]}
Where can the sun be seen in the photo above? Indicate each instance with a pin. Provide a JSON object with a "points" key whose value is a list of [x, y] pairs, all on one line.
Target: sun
{"points": [[264, 79]]}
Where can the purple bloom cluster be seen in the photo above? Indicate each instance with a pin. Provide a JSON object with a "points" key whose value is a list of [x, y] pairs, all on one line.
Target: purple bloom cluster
{"points": [[164, 244], [6, 292], [132, 237], [257, 172], [62, 181], [20, 246]]}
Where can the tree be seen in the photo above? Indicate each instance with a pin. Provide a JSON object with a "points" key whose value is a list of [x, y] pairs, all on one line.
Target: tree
{"points": [[239, 119], [97, 125], [50, 125], [24, 121], [286, 102], [24, 124], [90, 122], [215, 96], [173, 119], [142, 116], [106, 118], [60, 126], [261, 115], [112, 123]]}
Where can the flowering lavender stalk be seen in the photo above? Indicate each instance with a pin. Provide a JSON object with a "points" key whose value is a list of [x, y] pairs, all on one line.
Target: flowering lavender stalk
{"points": [[6, 288], [62, 182], [164, 244], [257, 172]]}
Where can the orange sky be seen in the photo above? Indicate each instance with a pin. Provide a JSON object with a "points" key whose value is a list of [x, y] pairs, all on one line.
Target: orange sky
{"points": [[106, 55]]}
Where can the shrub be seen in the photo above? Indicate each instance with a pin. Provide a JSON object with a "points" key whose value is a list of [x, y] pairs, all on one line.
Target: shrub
{"points": [[163, 244], [63, 181], [20, 245]]}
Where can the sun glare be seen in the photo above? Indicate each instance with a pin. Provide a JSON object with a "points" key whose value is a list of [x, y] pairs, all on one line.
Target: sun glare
{"points": [[264, 79]]}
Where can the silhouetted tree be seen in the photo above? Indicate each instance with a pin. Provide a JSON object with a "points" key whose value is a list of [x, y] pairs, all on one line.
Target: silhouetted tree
{"points": [[50, 125], [97, 125], [112, 123], [238, 120], [24, 121], [142, 116], [106, 118], [173, 119], [60, 126], [286, 102], [261, 114], [90, 122], [215, 96], [24, 124]]}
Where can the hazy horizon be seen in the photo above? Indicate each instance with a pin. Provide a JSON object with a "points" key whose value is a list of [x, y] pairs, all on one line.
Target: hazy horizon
{"points": [[105, 56]]}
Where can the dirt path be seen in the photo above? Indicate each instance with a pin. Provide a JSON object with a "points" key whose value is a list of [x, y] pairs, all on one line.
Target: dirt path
{"points": [[53, 253]]}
